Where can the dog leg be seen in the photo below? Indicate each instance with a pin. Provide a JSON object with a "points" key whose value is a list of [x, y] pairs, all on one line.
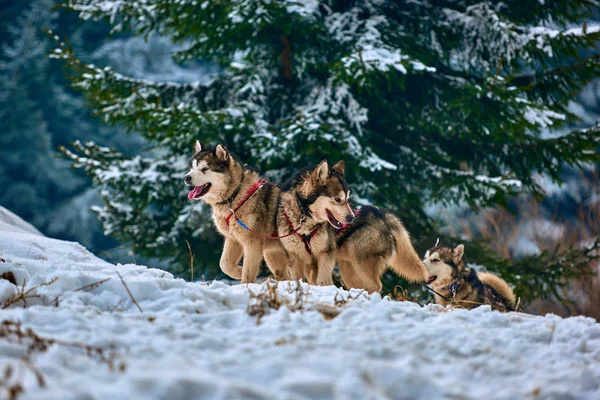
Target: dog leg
{"points": [[310, 270], [349, 275], [232, 252], [369, 271], [297, 270], [253, 255], [325, 266], [278, 262]]}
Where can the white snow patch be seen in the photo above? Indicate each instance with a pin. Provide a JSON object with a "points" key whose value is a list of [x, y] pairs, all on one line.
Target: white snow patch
{"points": [[196, 340], [10, 220]]}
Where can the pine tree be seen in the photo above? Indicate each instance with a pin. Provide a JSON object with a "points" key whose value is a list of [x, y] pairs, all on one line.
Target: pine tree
{"points": [[38, 112], [434, 101], [30, 173]]}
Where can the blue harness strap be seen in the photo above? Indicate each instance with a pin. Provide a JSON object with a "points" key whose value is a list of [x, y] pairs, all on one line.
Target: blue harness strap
{"points": [[242, 224], [454, 287]]}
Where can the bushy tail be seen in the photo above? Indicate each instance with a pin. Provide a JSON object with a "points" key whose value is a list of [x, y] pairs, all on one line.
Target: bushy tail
{"points": [[499, 286], [405, 261]]}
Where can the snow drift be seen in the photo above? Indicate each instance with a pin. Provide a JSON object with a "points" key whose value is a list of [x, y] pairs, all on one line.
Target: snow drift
{"points": [[201, 340]]}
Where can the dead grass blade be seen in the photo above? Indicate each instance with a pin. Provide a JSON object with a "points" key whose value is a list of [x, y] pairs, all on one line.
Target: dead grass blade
{"points": [[23, 295], [130, 294], [13, 332], [191, 260]]}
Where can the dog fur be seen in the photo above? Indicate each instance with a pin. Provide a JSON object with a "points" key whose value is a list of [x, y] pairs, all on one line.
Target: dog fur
{"points": [[374, 241], [313, 204], [447, 266], [229, 181]]}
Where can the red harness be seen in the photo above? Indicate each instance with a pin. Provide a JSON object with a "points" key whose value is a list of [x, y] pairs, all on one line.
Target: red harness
{"points": [[257, 185], [305, 238], [249, 193]]}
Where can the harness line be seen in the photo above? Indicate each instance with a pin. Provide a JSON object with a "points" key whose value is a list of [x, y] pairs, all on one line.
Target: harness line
{"points": [[441, 295], [253, 189], [305, 238]]}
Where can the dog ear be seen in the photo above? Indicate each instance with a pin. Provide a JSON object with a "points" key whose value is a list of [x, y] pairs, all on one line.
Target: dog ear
{"points": [[222, 153], [426, 255], [339, 167], [197, 146], [321, 173], [457, 254]]}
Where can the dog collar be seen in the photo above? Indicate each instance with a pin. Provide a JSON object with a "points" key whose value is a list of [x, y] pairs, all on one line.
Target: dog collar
{"points": [[453, 287], [230, 199]]}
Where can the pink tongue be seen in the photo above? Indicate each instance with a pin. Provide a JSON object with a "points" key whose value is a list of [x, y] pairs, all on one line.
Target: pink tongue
{"points": [[194, 192]]}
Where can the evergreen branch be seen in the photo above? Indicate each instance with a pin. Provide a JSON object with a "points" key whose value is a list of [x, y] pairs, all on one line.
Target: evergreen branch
{"points": [[562, 82], [541, 277]]}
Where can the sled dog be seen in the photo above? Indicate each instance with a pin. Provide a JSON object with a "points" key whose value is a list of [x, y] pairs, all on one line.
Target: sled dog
{"points": [[244, 209], [452, 278], [374, 241], [313, 205]]}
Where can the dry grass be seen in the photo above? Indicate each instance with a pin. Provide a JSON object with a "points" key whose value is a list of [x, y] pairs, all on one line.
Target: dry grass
{"points": [[23, 295], [340, 301], [129, 292], [262, 302], [191, 261], [11, 383], [401, 294], [268, 298]]}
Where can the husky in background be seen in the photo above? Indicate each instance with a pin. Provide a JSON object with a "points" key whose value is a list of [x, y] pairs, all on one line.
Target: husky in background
{"points": [[244, 209], [375, 241], [451, 278], [313, 205]]}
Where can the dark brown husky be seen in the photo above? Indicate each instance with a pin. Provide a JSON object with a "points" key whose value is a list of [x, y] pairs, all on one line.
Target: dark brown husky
{"points": [[244, 208], [313, 205], [450, 277], [374, 241]]}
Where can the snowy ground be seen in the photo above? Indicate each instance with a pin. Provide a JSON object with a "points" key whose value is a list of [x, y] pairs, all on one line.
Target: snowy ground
{"points": [[197, 340]]}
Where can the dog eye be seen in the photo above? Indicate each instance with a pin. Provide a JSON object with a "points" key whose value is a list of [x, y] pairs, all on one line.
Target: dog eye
{"points": [[338, 200], [203, 170], [435, 261]]}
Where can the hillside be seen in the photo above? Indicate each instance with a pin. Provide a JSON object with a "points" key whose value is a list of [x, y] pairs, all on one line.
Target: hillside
{"points": [[208, 340]]}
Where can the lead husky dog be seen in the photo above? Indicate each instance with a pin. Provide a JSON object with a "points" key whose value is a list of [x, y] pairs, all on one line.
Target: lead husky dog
{"points": [[450, 277], [244, 209], [313, 205], [374, 241]]}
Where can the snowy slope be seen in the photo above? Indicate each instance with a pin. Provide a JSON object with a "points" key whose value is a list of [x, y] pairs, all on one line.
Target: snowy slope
{"points": [[11, 221], [197, 340]]}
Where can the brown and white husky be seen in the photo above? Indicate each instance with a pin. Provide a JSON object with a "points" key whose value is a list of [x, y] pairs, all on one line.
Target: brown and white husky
{"points": [[313, 205], [454, 280], [244, 208]]}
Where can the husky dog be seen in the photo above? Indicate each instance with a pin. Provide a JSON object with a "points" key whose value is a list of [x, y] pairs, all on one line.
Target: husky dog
{"points": [[374, 241], [313, 205], [451, 278], [244, 209]]}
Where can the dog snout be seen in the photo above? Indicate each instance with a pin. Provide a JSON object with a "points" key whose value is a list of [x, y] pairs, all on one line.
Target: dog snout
{"points": [[187, 179], [350, 218]]}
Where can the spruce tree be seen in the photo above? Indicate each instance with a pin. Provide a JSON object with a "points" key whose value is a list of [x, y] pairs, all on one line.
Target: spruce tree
{"points": [[31, 174], [436, 101]]}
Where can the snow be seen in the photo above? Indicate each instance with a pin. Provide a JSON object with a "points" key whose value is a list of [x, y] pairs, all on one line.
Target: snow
{"points": [[9, 220], [197, 340]]}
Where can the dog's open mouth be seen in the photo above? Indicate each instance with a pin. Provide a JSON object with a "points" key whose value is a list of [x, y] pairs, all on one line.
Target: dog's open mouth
{"points": [[432, 279], [198, 191], [334, 222]]}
